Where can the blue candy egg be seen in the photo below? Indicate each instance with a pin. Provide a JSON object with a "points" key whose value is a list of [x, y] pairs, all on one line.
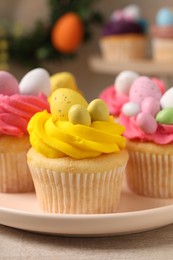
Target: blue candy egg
{"points": [[164, 17]]}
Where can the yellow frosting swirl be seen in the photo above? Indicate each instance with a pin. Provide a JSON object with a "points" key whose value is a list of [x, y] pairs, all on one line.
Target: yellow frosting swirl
{"points": [[62, 138]]}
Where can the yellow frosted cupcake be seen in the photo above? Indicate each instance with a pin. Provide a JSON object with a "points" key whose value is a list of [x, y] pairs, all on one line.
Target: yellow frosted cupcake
{"points": [[78, 156]]}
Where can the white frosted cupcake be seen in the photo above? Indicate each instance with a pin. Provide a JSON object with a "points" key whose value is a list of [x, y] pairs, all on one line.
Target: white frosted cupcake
{"points": [[78, 156]]}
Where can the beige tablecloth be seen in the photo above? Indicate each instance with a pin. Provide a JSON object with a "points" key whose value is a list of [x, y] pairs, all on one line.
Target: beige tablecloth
{"points": [[18, 244]]}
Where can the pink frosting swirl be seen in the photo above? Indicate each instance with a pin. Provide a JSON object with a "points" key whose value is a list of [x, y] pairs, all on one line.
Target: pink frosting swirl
{"points": [[16, 111], [114, 100], [163, 134]]}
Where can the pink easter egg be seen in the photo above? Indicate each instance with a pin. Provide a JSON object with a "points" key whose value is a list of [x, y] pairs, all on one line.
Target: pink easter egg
{"points": [[150, 105], [143, 87], [146, 122], [8, 84]]}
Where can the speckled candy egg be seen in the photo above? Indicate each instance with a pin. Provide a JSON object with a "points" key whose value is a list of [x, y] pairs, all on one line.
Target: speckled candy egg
{"points": [[124, 81], [8, 84], [143, 87], [35, 81], [61, 101]]}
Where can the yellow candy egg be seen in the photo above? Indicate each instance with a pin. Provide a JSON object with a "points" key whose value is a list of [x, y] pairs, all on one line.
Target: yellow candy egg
{"points": [[98, 110], [61, 101], [78, 114], [63, 80]]}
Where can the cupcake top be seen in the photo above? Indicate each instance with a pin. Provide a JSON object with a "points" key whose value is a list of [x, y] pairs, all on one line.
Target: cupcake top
{"points": [[125, 21], [148, 116], [116, 95], [75, 128], [20, 101], [163, 27]]}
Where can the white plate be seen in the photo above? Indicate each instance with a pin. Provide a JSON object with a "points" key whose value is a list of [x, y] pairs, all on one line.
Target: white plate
{"points": [[136, 214]]}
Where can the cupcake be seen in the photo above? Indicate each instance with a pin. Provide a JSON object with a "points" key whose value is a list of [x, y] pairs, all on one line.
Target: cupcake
{"points": [[148, 119], [162, 36], [16, 109], [78, 156], [124, 36], [116, 95]]}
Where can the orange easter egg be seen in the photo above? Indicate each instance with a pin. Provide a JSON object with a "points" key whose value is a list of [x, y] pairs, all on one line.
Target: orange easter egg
{"points": [[67, 33]]}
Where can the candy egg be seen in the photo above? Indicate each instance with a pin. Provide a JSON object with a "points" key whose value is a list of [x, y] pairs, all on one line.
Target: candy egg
{"points": [[78, 114], [61, 101], [131, 109], [164, 17], [124, 81], [63, 80], [35, 81], [143, 87], [165, 116], [98, 110], [150, 105], [132, 11], [8, 84], [167, 99], [146, 122]]}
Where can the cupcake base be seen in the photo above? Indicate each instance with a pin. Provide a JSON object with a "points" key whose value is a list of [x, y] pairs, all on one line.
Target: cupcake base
{"points": [[123, 47], [150, 169], [87, 186], [14, 172], [162, 50]]}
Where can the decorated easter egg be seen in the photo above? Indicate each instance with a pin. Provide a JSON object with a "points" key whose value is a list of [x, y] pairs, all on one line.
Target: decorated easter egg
{"points": [[146, 122], [98, 110], [8, 84], [78, 114], [150, 105], [124, 81], [167, 99], [63, 80], [164, 17], [61, 100], [67, 33], [132, 12], [35, 81], [143, 87], [165, 116], [130, 109]]}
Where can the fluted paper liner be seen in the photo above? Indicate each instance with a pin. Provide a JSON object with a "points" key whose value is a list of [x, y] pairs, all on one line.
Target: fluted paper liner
{"points": [[76, 192], [150, 174]]}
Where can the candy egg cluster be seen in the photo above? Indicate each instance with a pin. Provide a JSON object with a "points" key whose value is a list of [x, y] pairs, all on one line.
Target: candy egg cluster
{"points": [[149, 104], [69, 105]]}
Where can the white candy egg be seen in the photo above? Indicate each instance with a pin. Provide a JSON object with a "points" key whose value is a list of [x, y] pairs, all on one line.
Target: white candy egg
{"points": [[131, 109], [167, 99], [132, 11], [35, 81], [124, 81]]}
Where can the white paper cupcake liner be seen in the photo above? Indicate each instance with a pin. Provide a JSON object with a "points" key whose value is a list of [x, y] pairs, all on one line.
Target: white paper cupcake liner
{"points": [[150, 174], [77, 193], [162, 50], [14, 173]]}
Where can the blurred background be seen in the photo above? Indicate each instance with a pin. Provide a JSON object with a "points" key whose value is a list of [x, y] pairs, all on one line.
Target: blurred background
{"points": [[24, 15]]}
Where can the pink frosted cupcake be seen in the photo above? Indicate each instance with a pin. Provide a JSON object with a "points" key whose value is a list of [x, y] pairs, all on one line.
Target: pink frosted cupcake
{"points": [[149, 130], [16, 109]]}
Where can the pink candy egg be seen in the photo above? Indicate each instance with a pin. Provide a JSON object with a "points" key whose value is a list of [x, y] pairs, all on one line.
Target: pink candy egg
{"points": [[143, 87], [8, 84], [150, 105], [146, 122]]}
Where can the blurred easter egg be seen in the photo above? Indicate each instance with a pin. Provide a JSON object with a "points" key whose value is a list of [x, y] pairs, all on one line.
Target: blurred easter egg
{"points": [[61, 100], [35, 81], [67, 33], [146, 122], [124, 81], [63, 80], [150, 105], [165, 116], [8, 84], [143, 87], [167, 99], [132, 12], [164, 17], [131, 109]]}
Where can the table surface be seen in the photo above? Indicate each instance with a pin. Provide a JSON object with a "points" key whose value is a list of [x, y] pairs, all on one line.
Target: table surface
{"points": [[19, 244]]}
